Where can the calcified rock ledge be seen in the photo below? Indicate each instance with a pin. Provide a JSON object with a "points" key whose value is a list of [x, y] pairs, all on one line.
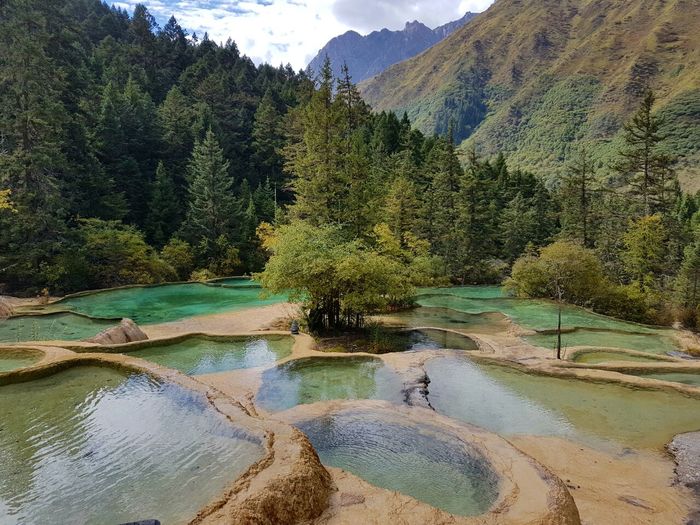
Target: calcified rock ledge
{"points": [[686, 452], [289, 484]]}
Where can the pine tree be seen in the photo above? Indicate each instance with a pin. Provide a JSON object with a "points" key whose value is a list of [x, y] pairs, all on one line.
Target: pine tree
{"points": [[176, 121], [314, 156], [268, 140], [518, 225], [164, 209], [212, 207], [577, 189], [647, 171], [32, 123]]}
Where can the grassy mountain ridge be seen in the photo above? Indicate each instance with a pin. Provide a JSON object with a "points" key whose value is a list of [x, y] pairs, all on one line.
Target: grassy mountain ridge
{"points": [[530, 77]]}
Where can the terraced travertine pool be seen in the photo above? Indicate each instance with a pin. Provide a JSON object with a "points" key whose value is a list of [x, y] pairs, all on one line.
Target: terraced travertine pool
{"points": [[420, 460], [508, 402], [145, 305], [13, 359], [314, 379], [60, 327], [686, 378], [92, 445], [603, 356], [170, 302], [588, 328], [207, 355]]}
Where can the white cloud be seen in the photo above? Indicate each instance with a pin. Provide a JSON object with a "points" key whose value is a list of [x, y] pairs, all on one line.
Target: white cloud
{"points": [[292, 31], [369, 15]]}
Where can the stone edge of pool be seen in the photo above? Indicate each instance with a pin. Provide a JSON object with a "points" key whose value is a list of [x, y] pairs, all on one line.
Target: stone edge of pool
{"points": [[290, 485]]}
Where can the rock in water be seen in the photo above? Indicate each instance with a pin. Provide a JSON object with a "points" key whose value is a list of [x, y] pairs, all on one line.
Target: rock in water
{"points": [[126, 332]]}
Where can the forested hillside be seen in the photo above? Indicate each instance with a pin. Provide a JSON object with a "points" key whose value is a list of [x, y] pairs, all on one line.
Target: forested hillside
{"points": [[137, 154], [120, 140], [529, 78]]}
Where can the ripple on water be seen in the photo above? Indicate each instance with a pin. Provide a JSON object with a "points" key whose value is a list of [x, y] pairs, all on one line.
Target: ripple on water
{"points": [[313, 379], [509, 401], [419, 460], [91, 445], [206, 355]]}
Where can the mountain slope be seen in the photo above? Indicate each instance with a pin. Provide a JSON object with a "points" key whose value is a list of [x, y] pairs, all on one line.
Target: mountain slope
{"points": [[369, 55], [530, 77]]}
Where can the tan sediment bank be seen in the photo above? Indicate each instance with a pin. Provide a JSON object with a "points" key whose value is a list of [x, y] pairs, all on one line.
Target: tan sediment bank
{"points": [[289, 485]]}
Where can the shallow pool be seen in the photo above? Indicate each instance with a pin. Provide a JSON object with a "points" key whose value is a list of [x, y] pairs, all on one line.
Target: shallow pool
{"points": [[421, 461], [653, 343], [428, 339], [62, 326], [159, 304], [686, 378], [602, 356], [313, 379], [207, 355], [12, 359], [451, 319], [91, 445], [528, 313], [508, 401]]}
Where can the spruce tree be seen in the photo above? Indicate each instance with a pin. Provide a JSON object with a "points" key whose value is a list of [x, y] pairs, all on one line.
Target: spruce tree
{"points": [[577, 190], [211, 212], [647, 171], [163, 208]]}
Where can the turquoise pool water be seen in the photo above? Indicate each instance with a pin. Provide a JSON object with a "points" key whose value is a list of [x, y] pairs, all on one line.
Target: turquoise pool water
{"points": [[419, 460], [313, 379], [61, 326], [451, 319], [94, 446], [602, 356], [652, 343], [159, 304], [590, 329], [206, 355]]}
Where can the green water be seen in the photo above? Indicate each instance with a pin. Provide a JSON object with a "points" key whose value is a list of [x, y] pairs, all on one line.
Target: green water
{"points": [[93, 446], [234, 281], [160, 304], [63, 327], [509, 402], [686, 378], [14, 359], [471, 292], [530, 314], [421, 461], [590, 329], [202, 355], [652, 343], [427, 339], [602, 356], [451, 319], [313, 379]]}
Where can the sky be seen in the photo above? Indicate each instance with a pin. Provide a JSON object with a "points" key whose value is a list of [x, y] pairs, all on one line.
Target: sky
{"points": [[293, 31]]}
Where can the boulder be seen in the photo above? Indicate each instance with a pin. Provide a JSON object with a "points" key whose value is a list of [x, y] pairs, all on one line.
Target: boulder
{"points": [[125, 332]]}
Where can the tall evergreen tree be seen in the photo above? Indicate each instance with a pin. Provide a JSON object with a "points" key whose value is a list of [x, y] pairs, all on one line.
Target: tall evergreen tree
{"points": [[163, 209], [577, 189], [212, 207], [646, 170], [32, 123]]}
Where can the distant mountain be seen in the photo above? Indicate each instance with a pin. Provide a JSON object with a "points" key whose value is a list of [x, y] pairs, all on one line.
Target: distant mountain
{"points": [[532, 77], [369, 55]]}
